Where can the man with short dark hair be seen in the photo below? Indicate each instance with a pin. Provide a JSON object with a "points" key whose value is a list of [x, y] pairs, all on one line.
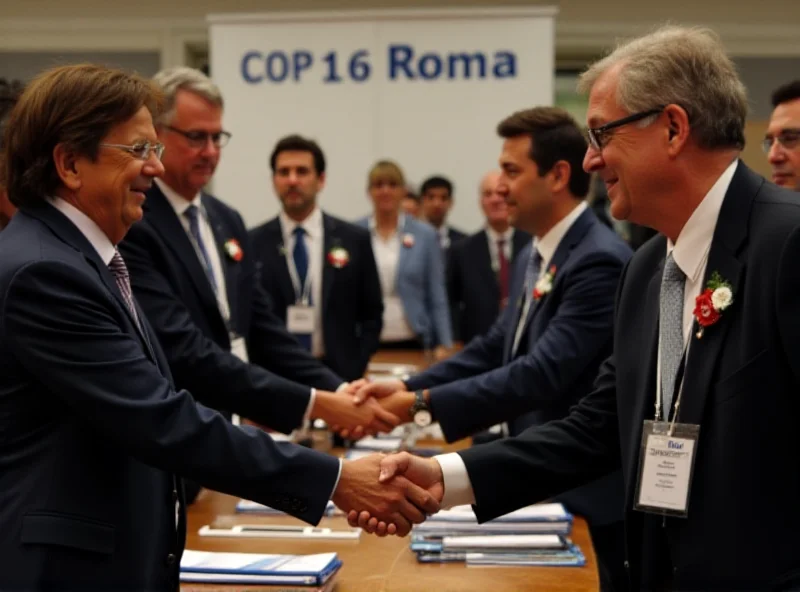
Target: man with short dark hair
{"points": [[436, 199], [95, 438], [543, 352], [313, 263], [782, 140]]}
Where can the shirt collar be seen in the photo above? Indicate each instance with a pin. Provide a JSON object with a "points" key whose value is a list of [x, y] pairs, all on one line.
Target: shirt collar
{"points": [[312, 224], [495, 236], [548, 244], [691, 249], [177, 201], [88, 228]]}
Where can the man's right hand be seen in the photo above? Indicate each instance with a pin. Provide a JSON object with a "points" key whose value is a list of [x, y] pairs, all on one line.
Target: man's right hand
{"points": [[424, 472], [391, 506], [340, 410], [379, 389]]}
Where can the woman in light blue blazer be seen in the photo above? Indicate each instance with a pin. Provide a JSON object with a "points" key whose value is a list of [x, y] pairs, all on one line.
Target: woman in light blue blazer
{"points": [[411, 268]]}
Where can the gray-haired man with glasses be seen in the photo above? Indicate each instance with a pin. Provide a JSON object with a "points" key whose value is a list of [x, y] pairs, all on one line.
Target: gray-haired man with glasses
{"points": [[195, 277], [782, 140]]}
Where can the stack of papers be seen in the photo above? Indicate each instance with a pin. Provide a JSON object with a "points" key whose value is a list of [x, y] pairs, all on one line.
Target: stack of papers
{"points": [[302, 571], [535, 535]]}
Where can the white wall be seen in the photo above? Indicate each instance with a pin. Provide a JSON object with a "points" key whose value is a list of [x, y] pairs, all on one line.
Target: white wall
{"points": [[428, 123]]}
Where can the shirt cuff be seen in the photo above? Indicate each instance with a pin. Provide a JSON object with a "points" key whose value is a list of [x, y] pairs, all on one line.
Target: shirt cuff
{"points": [[457, 486], [336, 483], [307, 414], [342, 387]]}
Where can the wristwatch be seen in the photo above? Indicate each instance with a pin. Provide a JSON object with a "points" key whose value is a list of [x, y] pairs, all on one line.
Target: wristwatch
{"points": [[420, 411]]}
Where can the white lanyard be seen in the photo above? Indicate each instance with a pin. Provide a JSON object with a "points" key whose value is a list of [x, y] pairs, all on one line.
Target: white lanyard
{"points": [[302, 296], [681, 370]]}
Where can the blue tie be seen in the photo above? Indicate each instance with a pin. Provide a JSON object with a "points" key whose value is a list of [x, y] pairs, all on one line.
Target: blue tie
{"points": [[192, 214], [300, 255]]}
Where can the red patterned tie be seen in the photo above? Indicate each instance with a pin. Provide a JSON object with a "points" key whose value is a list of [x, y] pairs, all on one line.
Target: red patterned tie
{"points": [[503, 272], [120, 271]]}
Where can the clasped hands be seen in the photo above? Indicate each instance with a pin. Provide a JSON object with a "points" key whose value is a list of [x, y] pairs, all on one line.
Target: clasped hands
{"points": [[387, 494], [364, 408]]}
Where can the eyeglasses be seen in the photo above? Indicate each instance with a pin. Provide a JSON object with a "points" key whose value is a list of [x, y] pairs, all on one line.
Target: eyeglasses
{"points": [[599, 136], [788, 138], [199, 139], [140, 150]]}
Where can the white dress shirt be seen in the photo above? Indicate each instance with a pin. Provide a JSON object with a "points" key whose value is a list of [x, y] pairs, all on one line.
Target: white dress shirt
{"points": [[180, 205], [88, 228], [492, 236], [690, 252], [314, 239], [444, 236], [387, 257]]}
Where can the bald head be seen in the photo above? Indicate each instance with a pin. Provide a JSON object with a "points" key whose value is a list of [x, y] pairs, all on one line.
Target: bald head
{"points": [[492, 203]]}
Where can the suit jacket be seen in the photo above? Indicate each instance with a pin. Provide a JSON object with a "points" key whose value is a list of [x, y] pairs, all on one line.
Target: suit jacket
{"points": [[741, 386], [94, 436], [352, 304], [421, 283], [455, 236], [567, 334], [472, 284], [173, 289]]}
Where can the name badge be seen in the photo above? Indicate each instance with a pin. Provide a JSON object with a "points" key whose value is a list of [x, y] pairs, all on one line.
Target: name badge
{"points": [[300, 319], [239, 347], [666, 465]]}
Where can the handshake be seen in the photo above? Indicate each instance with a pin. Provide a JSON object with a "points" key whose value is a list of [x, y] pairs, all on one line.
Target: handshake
{"points": [[362, 408], [387, 494]]}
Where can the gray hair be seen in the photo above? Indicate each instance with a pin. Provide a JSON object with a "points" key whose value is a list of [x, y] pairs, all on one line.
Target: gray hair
{"points": [[685, 66], [194, 81]]}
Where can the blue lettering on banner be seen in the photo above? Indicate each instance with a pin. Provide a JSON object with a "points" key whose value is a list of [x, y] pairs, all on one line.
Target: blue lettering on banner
{"points": [[403, 63]]}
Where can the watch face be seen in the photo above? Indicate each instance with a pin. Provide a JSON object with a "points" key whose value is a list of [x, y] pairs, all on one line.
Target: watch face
{"points": [[422, 418]]}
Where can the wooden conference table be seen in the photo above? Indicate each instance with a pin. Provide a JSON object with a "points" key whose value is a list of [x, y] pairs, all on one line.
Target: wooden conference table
{"points": [[373, 564]]}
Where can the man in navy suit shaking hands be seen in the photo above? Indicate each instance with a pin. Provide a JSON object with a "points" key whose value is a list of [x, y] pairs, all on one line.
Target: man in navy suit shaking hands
{"points": [[94, 438]]}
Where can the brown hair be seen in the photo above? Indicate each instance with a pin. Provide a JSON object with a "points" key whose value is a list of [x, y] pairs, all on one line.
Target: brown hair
{"points": [[386, 170], [73, 105], [554, 136]]}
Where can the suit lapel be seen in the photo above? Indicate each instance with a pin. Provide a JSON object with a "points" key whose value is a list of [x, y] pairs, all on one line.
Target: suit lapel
{"points": [[405, 252], [164, 219], [573, 236], [68, 232], [729, 236], [331, 239], [222, 234]]}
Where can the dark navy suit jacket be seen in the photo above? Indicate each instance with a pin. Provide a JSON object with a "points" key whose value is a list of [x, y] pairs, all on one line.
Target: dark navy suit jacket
{"points": [[173, 289], [741, 385], [93, 436], [567, 334], [352, 303]]}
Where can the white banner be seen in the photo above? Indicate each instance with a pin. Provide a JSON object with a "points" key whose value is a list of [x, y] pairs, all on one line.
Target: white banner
{"points": [[425, 88]]}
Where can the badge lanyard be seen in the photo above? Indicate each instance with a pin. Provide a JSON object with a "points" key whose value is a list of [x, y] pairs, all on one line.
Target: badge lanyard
{"points": [[681, 376], [302, 294]]}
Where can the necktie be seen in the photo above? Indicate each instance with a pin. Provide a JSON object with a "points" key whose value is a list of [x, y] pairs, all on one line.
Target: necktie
{"points": [[192, 214], [300, 256], [531, 276], [670, 328], [120, 271], [502, 272]]}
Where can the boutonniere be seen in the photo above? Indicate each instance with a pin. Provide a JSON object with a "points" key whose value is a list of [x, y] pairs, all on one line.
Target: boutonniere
{"points": [[282, 250], [709, 305], [338, 257], [408, 240], [234, 249], [544, 284]]}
